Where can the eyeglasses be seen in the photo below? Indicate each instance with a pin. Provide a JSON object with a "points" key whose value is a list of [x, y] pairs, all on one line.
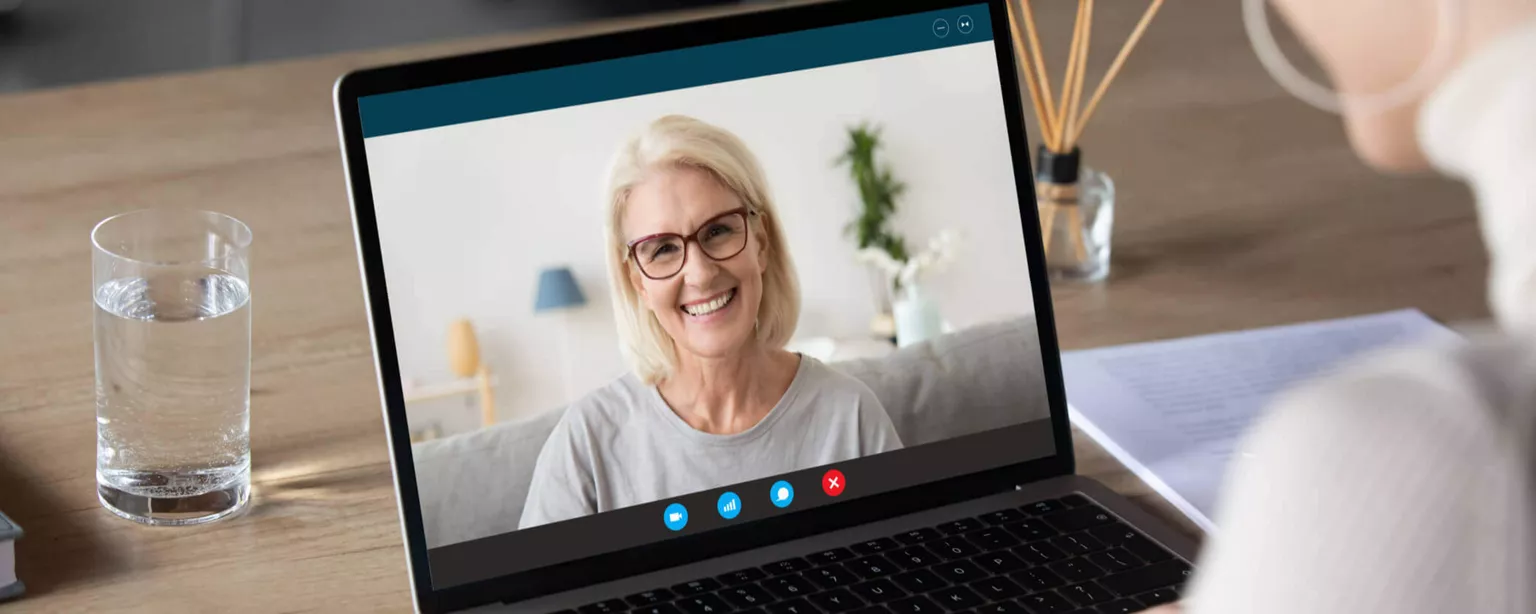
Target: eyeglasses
{"points": [[661, 256]]}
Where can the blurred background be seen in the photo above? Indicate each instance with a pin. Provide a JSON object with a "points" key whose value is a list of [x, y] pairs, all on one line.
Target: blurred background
{"points": [[51, 43]]}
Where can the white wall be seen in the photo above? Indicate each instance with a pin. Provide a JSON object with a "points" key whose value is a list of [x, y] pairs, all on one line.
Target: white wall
{"points": [[468, 214]]}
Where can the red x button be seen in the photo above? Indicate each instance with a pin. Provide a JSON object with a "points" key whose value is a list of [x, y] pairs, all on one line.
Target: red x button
{"points": [[833, 483]]}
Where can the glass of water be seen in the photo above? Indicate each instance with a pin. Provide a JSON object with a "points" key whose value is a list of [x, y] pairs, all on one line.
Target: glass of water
{"points": [[173, 365]]}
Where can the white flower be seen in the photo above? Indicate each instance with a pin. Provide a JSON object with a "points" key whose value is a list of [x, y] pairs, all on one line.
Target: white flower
{"points": [[881, 260], [940, 251]]}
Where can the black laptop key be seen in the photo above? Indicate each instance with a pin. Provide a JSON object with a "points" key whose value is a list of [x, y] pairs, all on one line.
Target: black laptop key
{"points": [[1115, 560], [1076, 570], [608, 606], [1152, 577], [830, 576], [650, 597], [956, 598], [702, 604], [1144, 548], [872, 566], [1037, 579], [836, 601], [916, 604], [828, 557], [914, 557], [992, 538], [873, 609], [1158, 597], [1000, 562], [878, 591], [1039, 553], [1003, 517], [876, 545], [954, 547], [1040, 508], [964, 525], [1120, 606], [997, 588], [1078, 518], [660, 608], [919, 581], [1002, 607], [1077, 543], [1087, 594], [1047, 602], [793, 606], [747, 596], [785, 566], [959, 571], [1114, 533], [696, 587], [788, 587], [741, 576], [917, 536], [1074, 500], [1031, 530]]}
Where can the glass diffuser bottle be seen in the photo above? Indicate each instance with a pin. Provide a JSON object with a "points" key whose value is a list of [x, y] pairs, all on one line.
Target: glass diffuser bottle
{"points": [[1077, 207]]}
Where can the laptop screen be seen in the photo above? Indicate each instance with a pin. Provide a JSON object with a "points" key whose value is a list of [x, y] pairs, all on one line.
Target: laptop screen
{"points": [[662, 295]]}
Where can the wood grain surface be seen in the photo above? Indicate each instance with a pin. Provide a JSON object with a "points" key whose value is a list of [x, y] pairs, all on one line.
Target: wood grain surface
{"points": [[1238, 207]]}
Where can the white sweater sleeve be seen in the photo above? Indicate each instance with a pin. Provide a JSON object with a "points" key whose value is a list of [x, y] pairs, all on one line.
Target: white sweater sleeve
{"points": [[1479, 126], [1353, 496]]}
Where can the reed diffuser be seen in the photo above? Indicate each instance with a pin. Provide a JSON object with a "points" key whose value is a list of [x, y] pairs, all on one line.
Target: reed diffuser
{"points": [[1076, 202]]}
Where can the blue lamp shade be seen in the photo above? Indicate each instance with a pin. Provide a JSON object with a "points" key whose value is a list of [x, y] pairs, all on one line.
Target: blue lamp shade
{"points": [[558, 290]]}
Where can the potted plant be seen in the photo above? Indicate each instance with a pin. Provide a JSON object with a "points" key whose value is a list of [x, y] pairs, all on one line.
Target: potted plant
{"points": [[870, 229], [902, 312]]}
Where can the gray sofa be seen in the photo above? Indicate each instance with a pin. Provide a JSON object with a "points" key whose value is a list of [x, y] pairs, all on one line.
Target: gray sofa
{"points": [[472, 485]]}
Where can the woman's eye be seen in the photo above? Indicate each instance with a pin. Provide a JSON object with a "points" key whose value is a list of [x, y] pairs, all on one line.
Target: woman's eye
{"points": [[661, 250], [718, 230]]}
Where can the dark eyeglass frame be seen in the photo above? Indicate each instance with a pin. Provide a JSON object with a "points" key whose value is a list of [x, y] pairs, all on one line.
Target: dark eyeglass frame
{"points": [[746, 214]]}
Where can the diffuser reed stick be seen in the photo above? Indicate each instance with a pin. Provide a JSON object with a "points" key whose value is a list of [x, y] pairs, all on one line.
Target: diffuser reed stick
{"points": [[1063, 120]]}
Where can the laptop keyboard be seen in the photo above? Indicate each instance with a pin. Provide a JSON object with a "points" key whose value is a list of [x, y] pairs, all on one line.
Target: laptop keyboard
{"points": [[1058, 556]]}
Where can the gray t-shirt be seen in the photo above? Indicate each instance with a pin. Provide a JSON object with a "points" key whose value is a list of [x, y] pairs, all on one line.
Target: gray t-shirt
{"points": [[622, 445]]}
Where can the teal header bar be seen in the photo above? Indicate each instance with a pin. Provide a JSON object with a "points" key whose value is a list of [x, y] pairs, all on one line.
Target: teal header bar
{"points": [[456, 103]]}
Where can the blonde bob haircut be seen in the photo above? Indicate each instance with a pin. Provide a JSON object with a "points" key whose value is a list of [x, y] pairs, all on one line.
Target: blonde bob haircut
{"points": [[677, 141]]}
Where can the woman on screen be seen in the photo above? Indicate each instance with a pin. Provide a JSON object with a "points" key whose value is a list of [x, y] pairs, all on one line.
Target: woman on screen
{"points": [[705, 296]]}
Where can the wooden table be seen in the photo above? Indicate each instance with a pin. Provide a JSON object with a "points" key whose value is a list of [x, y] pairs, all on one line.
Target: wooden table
{"points": [[1238, 207]]}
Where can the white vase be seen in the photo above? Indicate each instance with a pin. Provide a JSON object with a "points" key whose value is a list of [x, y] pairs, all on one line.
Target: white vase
{"points": [[917, 316]]}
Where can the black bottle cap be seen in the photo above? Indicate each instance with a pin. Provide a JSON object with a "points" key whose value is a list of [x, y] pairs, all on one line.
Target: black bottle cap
{"points": [[1055, 167]]}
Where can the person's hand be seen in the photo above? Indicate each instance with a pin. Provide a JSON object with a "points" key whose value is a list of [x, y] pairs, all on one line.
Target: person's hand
{"points": [[1171, 608]]}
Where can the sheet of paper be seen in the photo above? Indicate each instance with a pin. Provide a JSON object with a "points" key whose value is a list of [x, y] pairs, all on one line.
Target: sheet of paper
{"points": [[1174, 411]]}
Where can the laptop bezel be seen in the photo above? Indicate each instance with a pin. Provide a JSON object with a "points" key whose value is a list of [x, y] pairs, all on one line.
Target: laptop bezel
{"points": [[688, 548]]}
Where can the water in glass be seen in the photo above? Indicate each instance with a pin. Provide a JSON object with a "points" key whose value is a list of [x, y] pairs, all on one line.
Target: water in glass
{"points": [[172, 390]]}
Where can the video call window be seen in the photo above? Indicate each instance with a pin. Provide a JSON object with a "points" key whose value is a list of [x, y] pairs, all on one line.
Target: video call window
{"points": [[665, 295]]}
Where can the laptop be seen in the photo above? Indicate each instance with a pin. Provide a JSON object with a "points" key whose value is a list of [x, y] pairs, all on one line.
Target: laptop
{"points": [[746, 314]]}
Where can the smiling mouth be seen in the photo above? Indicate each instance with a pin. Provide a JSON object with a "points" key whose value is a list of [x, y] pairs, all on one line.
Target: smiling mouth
{"points": [[708, 307]]}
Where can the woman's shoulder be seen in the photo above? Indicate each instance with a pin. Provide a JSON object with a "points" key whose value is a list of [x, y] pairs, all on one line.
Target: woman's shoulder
{"points": [[825, 386], [609, 405], [824, 380]]}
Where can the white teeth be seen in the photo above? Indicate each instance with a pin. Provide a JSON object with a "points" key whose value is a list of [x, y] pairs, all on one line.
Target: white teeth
{"points": [[704, 309]]}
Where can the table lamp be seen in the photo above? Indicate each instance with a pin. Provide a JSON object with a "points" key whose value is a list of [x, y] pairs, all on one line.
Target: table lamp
{"points": [[558, 292]]}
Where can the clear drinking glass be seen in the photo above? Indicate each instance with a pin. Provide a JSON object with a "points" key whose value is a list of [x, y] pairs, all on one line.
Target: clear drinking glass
{"points": [[173, 365]]}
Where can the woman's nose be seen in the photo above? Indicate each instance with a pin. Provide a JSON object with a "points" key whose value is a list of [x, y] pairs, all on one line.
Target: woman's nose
{"points": [[698, 268]]}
